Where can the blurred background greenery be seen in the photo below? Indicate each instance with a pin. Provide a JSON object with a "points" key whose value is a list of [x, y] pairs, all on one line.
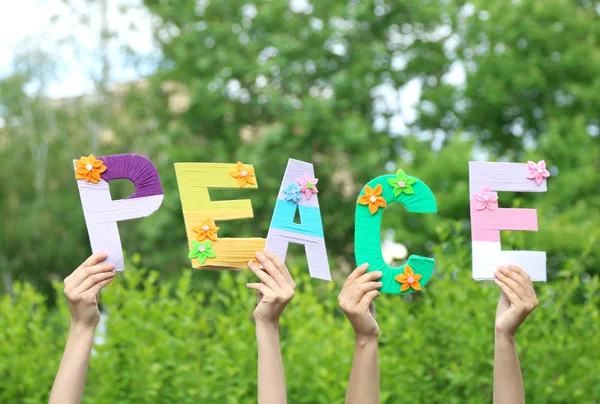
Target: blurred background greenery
{"points": [[360, 88]]}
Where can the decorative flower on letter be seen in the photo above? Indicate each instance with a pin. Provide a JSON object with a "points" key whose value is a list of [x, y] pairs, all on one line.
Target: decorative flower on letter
{"points": [[485, 199], [207, 229], [373, 198], [244, 175], [292, 193], [201, 251], [402, 183], [309, 185], [89, 169], [409, 279], [537, 172]]}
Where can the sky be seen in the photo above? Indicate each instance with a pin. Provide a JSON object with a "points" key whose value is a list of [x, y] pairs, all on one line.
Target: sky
{"points": [[26, 24]]}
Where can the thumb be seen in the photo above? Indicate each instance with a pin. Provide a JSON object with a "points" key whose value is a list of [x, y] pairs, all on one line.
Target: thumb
{"points": [[372, 309]]}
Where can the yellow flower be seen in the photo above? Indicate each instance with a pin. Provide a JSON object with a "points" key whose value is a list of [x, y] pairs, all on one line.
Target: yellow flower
{"points": [[373, 198], [207, 230], [244, 175], [409, 279], [89, 169]]}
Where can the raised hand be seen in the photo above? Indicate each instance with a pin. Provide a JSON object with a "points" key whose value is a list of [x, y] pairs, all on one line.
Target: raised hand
{"points": [[276, 287], [82, 287], [356, 301], [275, 290], [517, 300], [81, 290]]}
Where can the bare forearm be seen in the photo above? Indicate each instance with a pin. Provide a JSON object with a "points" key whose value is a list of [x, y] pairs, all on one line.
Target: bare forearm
{"points": [[68, 385], [363, 387], [508, 381], [271, 376]]}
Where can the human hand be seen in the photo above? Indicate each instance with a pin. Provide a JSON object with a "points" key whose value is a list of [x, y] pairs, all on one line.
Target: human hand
{"points": [[82, 287], [356, 301], [275, 290], [517, 301]]}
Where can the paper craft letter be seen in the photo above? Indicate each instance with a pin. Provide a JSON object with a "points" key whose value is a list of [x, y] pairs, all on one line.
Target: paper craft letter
{"points": [[101, 212], [207, 249], [416, 197], [487, 220], [299, 191]]}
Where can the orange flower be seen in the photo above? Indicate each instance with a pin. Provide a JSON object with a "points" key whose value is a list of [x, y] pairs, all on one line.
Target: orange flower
{"points": [[207, 229], [244, 175], [409, 279], [89, 169], [373, 198]]}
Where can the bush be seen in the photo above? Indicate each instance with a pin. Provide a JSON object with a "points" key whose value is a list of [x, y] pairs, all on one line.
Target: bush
{"points": [[168, 342]]}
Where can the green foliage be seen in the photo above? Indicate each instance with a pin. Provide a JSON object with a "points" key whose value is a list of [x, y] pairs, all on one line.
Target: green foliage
{"points": [[170, 342]]}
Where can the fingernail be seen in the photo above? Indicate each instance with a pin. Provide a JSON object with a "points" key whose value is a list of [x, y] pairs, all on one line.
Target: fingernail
{"points": [[378, 273], [259, 254], [380, 284], [497, 273], [365, 265]]}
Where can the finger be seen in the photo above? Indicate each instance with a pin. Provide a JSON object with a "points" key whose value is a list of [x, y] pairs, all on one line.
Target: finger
{"points": [[94, 290], [262, 289], [282, 267], [359, 290], [272, 270], [262, 275], [368, 298], [84, 272], [356, 273], [523, 278], [94, 259], [368, 277], [93, 280], [255, 286], [516, 287], [368, 286], [512, 296]]}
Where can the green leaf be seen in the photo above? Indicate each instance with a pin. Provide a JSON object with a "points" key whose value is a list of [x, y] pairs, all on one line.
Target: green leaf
{"points": [[408, 190], [193, 254], [400, 174], [397, 191], [210, 253], [202, 257], [410, 180], [393, 182]]}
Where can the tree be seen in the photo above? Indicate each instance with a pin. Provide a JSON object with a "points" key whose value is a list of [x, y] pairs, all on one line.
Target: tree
{"points": [[268, 81], [532, 92]]}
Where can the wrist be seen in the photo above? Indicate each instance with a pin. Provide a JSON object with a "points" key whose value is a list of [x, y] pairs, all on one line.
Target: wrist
{"points": [[267, 325], [366, 340], [504, 337], [81, 329]]}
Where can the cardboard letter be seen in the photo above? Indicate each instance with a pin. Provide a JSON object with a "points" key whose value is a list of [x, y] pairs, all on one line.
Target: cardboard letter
{"points": [[102, 213]]}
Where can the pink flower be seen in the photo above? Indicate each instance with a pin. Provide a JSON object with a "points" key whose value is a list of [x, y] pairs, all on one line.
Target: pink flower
{"points": [[485, 199], [537, 171], [308, 185]]}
